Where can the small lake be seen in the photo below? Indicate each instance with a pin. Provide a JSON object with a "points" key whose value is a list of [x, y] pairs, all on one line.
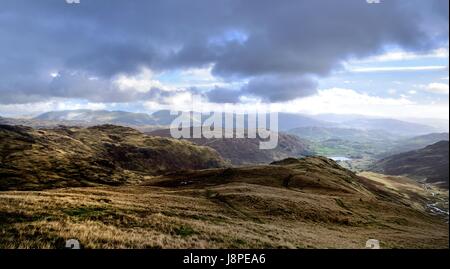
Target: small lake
{"points": [[339, 158]]}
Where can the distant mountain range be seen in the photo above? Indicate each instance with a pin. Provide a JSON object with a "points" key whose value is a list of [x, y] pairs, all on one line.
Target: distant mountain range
{"points": [[439, 125], [99, 116], [397, 127], [430, 164], [286, 121], [162, 118]]}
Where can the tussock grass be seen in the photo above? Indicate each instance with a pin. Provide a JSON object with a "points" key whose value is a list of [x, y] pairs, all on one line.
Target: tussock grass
{"points": [[253, 216]]}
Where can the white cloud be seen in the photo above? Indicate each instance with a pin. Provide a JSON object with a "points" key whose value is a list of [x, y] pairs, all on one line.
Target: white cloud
{"points": [[198, 74], [201, 78], [400, 55], [349, 101], [392, 91], [54, 74], [33, 109], [351, 97], [142, 82], [438, 88], [395, 68], [334, 100], [179, 101]]}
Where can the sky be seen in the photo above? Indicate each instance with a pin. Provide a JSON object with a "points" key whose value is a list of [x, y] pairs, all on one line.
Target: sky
{"points": [[342, 57]]}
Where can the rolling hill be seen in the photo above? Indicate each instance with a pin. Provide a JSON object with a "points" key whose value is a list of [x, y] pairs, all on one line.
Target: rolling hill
{"points": [[107, 154], [246, 150], [34, 123], [306, 203], [417, 142], [430, 164], [397, 127], [358, 135]]}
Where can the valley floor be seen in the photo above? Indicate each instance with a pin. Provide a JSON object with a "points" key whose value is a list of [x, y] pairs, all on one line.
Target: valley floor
{"points": [[231, 215]]}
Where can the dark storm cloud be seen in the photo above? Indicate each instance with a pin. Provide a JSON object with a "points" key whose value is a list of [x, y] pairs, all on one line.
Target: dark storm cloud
{"points": [[276, 89], [252, 39], [223, 95], [266, 88]]}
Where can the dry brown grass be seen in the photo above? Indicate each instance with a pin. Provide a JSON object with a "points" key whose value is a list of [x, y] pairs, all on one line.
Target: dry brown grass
{"points": [[234, 215], [33, 159]]}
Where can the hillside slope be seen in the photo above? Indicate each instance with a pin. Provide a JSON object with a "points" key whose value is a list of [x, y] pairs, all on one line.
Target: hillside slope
{"points": [[61, 157], [390, 125], [430, 164], [322, 133], [246, 150], [417, 142], [307, 203]]}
